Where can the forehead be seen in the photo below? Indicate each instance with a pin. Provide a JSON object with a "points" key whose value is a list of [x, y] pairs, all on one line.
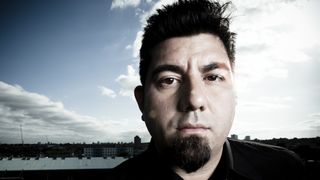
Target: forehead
{"points": [[201, 49]]}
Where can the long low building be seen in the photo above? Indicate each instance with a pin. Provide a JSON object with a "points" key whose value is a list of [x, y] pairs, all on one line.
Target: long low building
{"points": [[57, 168], [14, 164]]}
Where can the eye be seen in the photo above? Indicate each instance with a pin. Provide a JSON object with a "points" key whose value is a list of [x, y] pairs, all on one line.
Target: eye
{"points": [[168, 82], [214, 77]]}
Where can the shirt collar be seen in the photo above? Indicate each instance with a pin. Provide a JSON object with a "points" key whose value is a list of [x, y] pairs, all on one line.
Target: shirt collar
{"points": [[244, 171], [225, 170]]}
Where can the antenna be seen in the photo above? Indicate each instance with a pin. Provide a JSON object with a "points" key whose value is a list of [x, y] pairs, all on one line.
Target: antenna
{"points": [[21, 134]]}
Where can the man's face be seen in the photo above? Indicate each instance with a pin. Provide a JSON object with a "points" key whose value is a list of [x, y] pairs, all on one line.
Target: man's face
{"points": [[189, 91]]}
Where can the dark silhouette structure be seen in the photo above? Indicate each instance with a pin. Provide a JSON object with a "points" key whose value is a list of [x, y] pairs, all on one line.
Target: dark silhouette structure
{"points": [[307, 148]]}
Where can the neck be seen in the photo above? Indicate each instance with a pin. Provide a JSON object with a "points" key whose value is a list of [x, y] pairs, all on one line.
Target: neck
{"points": [[204, 172]]}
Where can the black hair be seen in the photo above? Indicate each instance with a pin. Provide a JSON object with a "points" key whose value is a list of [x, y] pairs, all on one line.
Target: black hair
{"points": [[186, 18]]}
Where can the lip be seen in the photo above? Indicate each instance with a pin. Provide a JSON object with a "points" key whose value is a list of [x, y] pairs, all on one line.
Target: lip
{"points": [[192, 128]]}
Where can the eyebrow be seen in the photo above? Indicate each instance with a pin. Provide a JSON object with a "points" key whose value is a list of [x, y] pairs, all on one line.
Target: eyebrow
{"points": [[179, 70], [213, 66], [166, 67]]}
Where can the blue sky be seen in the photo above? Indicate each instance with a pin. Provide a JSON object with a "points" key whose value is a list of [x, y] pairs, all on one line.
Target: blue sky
{"points": [[68, 68]]}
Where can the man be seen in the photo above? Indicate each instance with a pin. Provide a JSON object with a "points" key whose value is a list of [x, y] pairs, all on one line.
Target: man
{"points": [[187, 100]]}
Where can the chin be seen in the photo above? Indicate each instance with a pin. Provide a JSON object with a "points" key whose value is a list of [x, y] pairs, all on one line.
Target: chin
{"points": [[189, 152]]}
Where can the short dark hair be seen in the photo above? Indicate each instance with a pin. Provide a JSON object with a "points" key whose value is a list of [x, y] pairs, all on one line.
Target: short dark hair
{"points": [[186, 18]]}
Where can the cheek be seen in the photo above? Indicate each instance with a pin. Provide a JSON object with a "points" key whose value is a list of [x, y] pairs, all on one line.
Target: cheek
{"points": [[158, 113], [159, 105]]}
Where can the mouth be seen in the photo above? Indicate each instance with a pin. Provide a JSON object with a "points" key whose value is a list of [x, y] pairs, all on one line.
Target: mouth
{"points": [[192, 128]]}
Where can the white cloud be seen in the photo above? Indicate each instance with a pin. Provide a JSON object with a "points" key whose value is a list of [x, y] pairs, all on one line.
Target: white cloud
{"points": [[278, 73], [267, 127], [265, 104], [124, 3], [129, 46], [311, 124], [272, 36], [43, 118], [127, 84], [107, 92], [137, 44], [158, 5], [128, 81], [314, 116], [143, 18]]}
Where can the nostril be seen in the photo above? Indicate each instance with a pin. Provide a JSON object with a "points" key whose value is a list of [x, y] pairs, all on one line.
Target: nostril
{"points": [[191, 97], [190, 108]]}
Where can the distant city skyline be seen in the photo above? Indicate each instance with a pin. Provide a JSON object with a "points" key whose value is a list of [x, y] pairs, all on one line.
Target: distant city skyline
{"points": [[68, 69]]}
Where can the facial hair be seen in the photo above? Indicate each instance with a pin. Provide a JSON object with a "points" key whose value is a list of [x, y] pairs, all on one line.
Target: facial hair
{"points": [[189, 153]]}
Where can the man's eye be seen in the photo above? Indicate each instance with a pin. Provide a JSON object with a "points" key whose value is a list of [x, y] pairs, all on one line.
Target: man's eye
{"points": [[214, 77], [170, 81]]}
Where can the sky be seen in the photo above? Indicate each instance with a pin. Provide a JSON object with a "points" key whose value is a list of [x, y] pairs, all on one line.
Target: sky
{"points": [[68, 69]]}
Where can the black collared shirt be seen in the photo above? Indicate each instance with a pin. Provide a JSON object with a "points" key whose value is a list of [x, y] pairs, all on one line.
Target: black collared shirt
{"points": [[240, 160]]}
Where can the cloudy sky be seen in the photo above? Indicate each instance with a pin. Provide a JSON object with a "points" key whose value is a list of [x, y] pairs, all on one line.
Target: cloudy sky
{"points": [[68, 69]]}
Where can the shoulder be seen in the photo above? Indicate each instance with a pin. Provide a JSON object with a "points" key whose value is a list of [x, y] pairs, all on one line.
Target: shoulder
{"points": [[129, 168], [142, 166], [267, 160], [261, 150], [146, 165]]}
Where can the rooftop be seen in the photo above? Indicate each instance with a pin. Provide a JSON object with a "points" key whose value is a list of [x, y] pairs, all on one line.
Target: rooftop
{"points": [[69, 163]]}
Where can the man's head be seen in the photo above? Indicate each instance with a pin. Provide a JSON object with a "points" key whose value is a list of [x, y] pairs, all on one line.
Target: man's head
{"points": [[187, 98], [186, 18]]}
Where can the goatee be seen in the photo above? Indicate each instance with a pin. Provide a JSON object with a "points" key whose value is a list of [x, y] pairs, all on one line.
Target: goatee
{"points": [[189, 153]]}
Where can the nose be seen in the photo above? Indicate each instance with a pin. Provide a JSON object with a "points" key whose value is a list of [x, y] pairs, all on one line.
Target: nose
{"points": [[192, 96]]}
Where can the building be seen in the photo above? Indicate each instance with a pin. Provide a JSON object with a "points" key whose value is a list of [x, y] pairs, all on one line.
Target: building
{"points": [[124, 151], [110, 151], [57, 168], [234, 136], [93, 152], [60, 163], [113, 149], [137, 140], [247, 138]]}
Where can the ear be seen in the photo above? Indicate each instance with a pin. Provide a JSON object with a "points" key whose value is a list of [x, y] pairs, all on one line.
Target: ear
{"points": [[139, 94]]}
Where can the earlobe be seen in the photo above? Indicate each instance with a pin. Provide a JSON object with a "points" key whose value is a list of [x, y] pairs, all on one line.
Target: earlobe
{"points": [[139, 94]]}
